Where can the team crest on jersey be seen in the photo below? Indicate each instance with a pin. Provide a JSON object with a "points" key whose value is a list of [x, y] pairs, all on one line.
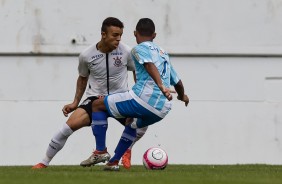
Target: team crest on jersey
{"points": [[118, 61]]}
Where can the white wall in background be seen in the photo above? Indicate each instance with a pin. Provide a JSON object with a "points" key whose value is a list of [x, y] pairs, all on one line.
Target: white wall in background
{"points": [[235, 113], [183, 26]]}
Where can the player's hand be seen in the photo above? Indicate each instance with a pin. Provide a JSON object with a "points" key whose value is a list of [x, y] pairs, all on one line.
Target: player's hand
{"points": [[184, 98], [166, 92], [68, 109]]}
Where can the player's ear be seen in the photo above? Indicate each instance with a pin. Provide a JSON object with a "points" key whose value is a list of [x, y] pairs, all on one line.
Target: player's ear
{"points": [[135, 34], [154, 35], [103, 34]]}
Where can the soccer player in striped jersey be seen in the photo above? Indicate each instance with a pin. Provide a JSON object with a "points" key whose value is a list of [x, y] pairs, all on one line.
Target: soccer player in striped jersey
{"points": [[150, 99]]}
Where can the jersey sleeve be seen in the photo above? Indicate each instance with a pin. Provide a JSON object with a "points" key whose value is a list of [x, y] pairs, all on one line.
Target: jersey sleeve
{"points": [[141, 54], [82, 67], [174, 79]]}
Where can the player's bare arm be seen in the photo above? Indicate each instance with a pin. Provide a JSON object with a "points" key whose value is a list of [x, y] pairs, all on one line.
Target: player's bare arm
{"points": [[154, 73], [80, 88], [179, 88]]}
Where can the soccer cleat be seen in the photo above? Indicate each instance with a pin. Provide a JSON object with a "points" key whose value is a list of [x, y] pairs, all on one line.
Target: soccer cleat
{"points": [[96, 157], [112, 166], [126, 159], [39, 166]]}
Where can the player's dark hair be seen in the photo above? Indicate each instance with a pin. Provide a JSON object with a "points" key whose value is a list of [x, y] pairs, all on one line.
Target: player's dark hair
{"points": [[111, 21], [145, 27]]}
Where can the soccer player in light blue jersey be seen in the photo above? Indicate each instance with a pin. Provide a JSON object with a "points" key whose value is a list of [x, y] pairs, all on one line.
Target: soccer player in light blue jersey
{"points": [[149, 100]]}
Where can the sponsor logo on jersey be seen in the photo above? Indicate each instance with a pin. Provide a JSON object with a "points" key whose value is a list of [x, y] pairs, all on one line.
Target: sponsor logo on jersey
{"points": [[118, 61], [92, 64], [153, 48], [95, 57], [116, 53]]}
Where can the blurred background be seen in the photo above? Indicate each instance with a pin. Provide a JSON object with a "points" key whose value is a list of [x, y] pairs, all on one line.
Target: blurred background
{"points": [[228, 54]]}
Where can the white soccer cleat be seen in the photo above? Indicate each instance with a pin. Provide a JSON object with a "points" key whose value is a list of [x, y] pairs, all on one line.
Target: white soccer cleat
{"points": [[95, 158], [112, 166]]}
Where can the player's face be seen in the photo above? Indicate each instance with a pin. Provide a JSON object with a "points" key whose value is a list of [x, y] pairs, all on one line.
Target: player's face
{"points": [[112, 37]]}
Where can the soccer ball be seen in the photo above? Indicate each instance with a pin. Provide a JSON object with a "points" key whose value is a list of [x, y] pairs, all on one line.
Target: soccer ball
{"points": [[155, 159]]}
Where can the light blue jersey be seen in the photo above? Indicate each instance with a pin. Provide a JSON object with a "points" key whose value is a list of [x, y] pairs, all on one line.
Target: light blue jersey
{"points": [[145, 101], [145, 87]]}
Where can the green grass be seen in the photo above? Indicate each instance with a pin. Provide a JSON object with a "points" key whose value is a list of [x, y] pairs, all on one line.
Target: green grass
{"points": [[173, 174]]}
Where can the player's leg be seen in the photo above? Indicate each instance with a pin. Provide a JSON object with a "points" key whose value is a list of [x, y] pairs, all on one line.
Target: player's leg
{"points": [[121, 105], [127, 138], [78, 119], [99, 124], [129, 133], [139, 134], [126, 158], [99, 128], [128, 107]]}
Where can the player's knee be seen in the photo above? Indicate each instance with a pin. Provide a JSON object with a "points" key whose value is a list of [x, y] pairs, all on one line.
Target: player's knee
{"points": [[75, 125]]}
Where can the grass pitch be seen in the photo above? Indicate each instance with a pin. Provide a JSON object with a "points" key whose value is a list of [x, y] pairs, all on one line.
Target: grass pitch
{"points": [[173, 174]]}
